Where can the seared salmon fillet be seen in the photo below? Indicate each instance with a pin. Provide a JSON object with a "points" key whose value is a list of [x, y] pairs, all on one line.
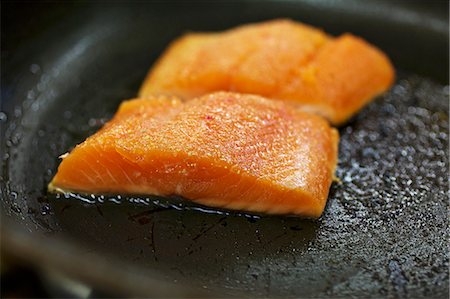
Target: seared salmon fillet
{"points": [[280, 59], [226, 150]]}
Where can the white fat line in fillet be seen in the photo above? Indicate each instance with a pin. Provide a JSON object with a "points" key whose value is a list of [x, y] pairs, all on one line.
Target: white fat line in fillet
{"points": [[125, 173], [109, 172], [88, 177], [118, 165], [93, 169], [249, 189], [110, 175], [96, 173]]}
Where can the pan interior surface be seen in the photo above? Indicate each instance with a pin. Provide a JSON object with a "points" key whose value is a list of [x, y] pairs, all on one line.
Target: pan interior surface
{"points": [[383, 232]]}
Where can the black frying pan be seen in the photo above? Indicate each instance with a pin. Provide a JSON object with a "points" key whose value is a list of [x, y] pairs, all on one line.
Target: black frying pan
{"points": [[65, 69]]}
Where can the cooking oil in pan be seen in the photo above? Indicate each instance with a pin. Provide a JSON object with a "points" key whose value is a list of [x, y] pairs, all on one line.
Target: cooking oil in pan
{"points": [[170, 202]]}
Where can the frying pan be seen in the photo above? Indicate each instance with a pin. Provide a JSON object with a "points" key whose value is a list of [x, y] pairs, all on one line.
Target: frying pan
{"points": [[65, 69]]}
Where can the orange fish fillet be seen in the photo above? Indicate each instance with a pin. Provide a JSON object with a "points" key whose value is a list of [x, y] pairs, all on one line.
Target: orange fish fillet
{"points": [[225, 150], [280, 59]]}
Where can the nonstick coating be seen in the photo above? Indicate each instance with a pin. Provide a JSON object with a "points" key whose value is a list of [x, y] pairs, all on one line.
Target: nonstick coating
{"points": [[384, 231]]}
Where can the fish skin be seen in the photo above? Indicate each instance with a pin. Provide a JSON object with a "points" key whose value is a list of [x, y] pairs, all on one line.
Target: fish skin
{"points": [[280, 59], [226, 150]]}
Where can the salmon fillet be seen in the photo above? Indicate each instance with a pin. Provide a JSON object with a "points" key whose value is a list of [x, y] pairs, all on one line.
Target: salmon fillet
{"points": [[280, 59], [226, 150]]}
